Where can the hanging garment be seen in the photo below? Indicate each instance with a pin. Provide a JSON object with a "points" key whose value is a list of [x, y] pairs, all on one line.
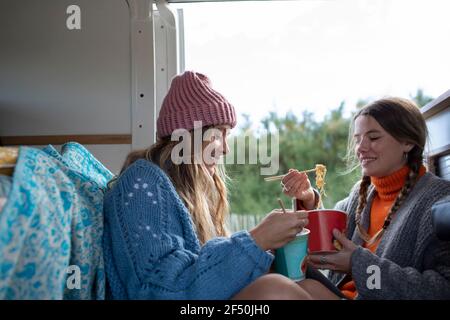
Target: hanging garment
{"points": [[51, 226]]}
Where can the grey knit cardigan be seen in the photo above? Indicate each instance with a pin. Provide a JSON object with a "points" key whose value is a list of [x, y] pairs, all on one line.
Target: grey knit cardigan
{"points": [[413, 262]]}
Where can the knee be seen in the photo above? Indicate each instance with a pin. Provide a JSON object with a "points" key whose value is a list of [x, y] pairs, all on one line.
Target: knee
{"points": [[309, 284], [273, 282], [317, 290], [273, 287]]}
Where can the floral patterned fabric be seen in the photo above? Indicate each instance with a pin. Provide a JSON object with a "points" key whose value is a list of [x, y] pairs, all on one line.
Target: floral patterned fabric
{"points": [[51, 226], [5, 185]]}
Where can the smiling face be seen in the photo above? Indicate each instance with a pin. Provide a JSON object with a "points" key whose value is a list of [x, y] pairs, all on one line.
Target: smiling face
{"points": [[215, 146], [378, 152]]}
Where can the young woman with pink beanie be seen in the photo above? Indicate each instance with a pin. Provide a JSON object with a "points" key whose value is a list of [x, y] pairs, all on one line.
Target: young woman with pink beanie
{"points": [[165, 235]]}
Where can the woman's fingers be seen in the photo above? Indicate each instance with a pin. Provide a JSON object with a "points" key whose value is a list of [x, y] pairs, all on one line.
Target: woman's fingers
{"points": [[322, 261], [314, 258], [292, 177], [305, 184], [293, 188], [289, 190], [280, 228], [342, 238], [321, 266], [302, 214], [303, 223], [295, 184]]}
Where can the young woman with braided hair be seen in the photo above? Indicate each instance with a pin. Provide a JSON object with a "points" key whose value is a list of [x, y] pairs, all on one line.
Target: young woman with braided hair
{"points": [[393, 252]]}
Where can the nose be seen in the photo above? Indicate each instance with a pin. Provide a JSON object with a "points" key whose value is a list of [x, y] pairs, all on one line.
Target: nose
{"points": [[363, 145], [225, 146]]}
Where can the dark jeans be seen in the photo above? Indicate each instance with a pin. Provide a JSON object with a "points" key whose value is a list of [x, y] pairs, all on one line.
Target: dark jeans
{"points": [[318, 276]]}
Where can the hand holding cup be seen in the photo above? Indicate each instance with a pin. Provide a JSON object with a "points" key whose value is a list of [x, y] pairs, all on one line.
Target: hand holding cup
{"points": [[279, 228]]}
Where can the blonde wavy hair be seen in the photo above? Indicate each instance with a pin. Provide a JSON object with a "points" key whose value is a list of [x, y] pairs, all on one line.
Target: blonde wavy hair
{"points": [[205, 195]]}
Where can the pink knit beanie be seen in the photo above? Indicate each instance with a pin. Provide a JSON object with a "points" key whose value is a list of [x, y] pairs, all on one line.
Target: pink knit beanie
{"points": [[191, 98]]}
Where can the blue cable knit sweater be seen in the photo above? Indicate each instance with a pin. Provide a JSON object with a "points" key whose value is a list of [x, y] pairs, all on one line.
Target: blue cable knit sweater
{"points": [[151, 249]]}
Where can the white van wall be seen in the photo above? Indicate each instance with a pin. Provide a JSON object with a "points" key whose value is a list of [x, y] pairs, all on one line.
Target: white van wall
{"points": [[56, 81]]}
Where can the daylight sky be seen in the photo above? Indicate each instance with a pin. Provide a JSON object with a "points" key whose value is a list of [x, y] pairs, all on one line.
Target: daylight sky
{"points": [[312, 54]]}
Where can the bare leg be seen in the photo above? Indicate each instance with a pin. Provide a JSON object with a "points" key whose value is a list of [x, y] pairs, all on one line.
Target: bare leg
{"points": [[273, 287], [317, 290]]}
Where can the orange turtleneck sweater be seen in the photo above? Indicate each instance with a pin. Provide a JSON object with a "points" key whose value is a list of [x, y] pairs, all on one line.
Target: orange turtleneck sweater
{"points": [[387, 190]]}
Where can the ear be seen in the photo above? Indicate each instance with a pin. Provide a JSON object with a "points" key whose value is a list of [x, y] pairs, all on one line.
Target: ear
{"points": [[407, 147]]}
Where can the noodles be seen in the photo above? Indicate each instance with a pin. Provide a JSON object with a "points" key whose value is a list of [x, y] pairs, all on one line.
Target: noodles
{"points": [[337, 244], [321, 171]]}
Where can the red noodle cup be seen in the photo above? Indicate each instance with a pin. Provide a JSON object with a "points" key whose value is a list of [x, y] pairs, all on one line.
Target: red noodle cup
{"points": [[321, 224]]}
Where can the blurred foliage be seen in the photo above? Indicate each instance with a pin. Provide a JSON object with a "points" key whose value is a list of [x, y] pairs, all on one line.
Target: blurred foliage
{"points": [[420, 98]]}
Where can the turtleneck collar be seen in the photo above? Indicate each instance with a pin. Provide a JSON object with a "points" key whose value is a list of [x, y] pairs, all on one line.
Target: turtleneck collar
{"points": [[388, 187]]}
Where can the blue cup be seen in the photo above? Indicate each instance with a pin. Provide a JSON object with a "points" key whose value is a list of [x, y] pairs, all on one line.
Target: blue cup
{"points": [[290, 259]]}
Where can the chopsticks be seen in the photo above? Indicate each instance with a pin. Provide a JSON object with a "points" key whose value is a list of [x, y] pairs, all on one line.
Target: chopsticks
{"points": [[280, 177], [282, 205]]}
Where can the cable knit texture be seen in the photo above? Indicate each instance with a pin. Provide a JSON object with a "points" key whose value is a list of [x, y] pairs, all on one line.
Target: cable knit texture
{"points": [[192, 98], [413, 262], [387, 188], [151, 249]]}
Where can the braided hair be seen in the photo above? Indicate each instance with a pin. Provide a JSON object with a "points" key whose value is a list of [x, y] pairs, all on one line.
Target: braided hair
{"points": [[402, 119]]}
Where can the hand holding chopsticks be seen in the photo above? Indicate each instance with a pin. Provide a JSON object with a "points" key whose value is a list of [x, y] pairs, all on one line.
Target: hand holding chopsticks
{"points": [[297, 193]]}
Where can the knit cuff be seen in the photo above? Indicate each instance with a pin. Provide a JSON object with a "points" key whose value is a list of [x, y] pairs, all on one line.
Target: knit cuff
{"points": [[317, 202], [263, 259]]}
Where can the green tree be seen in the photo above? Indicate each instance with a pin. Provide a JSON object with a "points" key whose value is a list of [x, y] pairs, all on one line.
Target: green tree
{"points": [[420, 98]]}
